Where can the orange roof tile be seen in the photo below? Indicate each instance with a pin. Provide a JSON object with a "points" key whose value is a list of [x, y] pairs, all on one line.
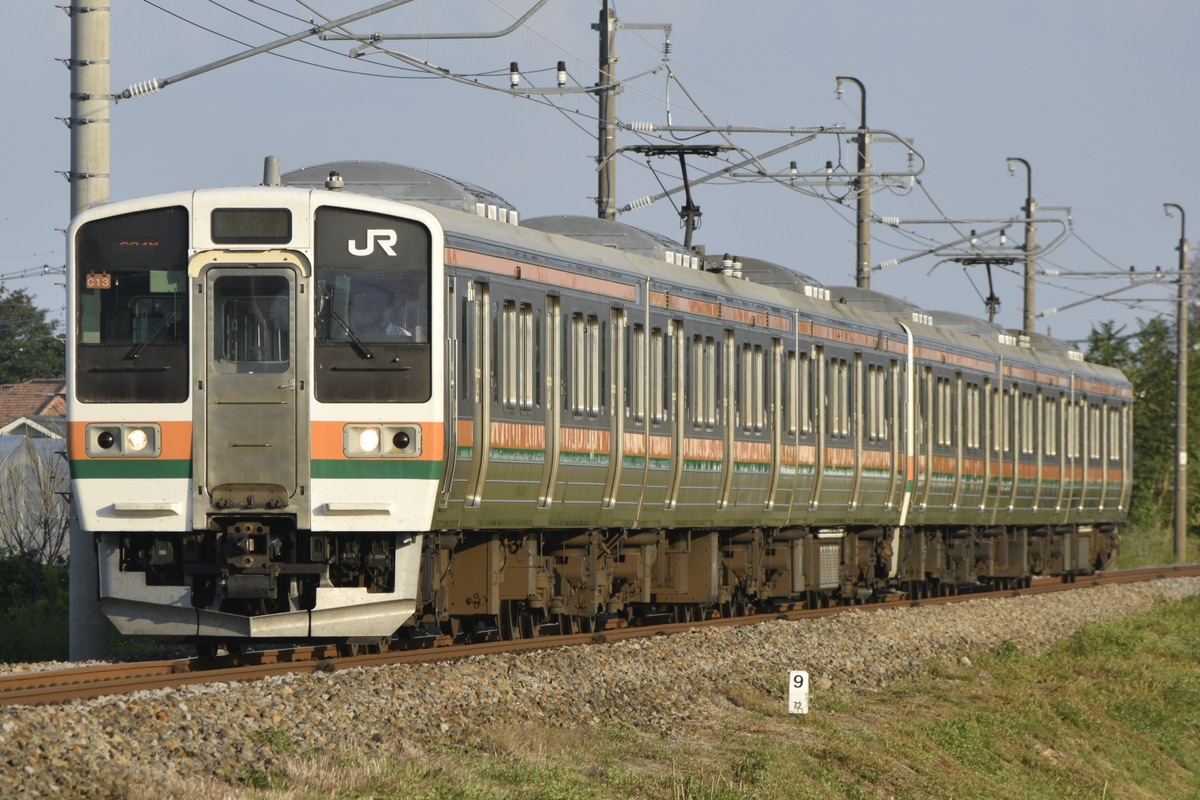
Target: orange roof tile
{"points": [[44, 396]]}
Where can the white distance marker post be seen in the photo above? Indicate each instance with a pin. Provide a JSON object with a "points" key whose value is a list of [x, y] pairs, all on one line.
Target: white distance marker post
{"points": [[798, 692]]}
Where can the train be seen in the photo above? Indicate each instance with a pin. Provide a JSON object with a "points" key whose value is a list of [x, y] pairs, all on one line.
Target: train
{"points": [[363, 403]]}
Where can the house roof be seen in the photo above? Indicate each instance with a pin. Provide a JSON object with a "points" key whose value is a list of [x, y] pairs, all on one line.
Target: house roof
{"points": [[39, 427], [41, 397]]}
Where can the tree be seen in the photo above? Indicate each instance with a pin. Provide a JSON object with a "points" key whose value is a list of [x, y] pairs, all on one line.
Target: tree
{"points": [[1110, 346], [1148, 359], [30, 349], [34, 514]]}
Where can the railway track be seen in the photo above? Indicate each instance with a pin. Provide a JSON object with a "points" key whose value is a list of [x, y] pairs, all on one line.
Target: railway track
{"points": [[78, 683]]}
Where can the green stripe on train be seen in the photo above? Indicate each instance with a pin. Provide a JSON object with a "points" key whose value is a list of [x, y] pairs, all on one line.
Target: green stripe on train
{"points": [[136, 468], [377, 468]]}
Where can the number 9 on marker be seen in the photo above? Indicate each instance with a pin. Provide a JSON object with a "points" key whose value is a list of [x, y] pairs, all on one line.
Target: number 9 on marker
{"points": [[797, 692]]}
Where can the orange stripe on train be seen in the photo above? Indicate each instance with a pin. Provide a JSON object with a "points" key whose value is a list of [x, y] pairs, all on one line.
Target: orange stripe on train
{"points": [[327, 443], [176, 439]]}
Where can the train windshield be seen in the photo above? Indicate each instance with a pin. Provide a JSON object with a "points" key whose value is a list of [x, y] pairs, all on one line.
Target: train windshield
{"points": [[372, 309], [131, 311]]}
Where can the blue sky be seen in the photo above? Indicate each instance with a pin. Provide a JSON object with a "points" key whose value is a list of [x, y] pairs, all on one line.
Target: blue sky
{"points": [[1098, 96]]}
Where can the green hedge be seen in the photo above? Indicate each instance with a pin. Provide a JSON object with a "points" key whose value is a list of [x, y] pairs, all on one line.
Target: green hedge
{"points": [[34, 609]]}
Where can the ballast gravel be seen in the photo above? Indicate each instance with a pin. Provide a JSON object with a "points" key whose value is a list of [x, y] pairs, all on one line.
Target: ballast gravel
{"points": [[225, 732]]}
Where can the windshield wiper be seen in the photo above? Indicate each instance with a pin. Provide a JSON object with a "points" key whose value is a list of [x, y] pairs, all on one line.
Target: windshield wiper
{"points": [[359, 346], [137, 349]]}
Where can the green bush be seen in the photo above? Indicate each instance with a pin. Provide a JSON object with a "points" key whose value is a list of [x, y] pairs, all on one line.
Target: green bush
{"points": [[34, 609]]}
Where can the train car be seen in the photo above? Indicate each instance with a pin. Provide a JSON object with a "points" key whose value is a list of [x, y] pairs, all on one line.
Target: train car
{"points": [[364, 401]]}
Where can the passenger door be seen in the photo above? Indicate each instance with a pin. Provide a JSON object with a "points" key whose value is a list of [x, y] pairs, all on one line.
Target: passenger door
{"points": [[250, 423]]}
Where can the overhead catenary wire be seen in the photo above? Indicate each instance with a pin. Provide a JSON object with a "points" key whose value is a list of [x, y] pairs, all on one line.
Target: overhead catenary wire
{"points": [[393, 64], [157, 84]]}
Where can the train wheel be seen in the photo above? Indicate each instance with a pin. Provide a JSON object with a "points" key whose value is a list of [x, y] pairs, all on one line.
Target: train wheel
{"points": [[237, 652], [529, 625], [510, 621], [383, 644]]}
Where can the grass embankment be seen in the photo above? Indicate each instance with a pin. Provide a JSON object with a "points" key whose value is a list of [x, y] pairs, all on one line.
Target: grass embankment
{"points": [[1152, 547]]}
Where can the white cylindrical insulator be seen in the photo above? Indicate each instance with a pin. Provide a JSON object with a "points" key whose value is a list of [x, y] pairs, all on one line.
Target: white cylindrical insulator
{"points": [[893, 221], [642, 127], [641, 202], [142, 88], [727, 266]]}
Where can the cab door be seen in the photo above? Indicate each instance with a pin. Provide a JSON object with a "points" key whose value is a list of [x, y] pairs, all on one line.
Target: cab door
{"points": [[251, 422]]}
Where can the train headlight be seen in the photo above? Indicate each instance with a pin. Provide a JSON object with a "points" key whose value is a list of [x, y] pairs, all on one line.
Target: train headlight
{"points": [[387, 440], [124, 441], [368, 440], [361, 440], [137, 439]]}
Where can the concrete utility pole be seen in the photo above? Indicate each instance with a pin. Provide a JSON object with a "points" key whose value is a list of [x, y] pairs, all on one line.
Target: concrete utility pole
{"points": [[606, 190], [862, 191], [90, 105], [1030, 231], [1181, 363]]}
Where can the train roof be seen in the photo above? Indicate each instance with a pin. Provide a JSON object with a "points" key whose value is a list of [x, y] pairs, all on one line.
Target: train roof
{"points": [[767, 273], [617, 235], [1041, 341], [627, 238], [405, 184], [879, 302], [965, 323]]}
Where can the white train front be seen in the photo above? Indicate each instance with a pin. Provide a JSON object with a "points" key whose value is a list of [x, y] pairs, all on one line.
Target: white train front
{"points": [[239, 417]]}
